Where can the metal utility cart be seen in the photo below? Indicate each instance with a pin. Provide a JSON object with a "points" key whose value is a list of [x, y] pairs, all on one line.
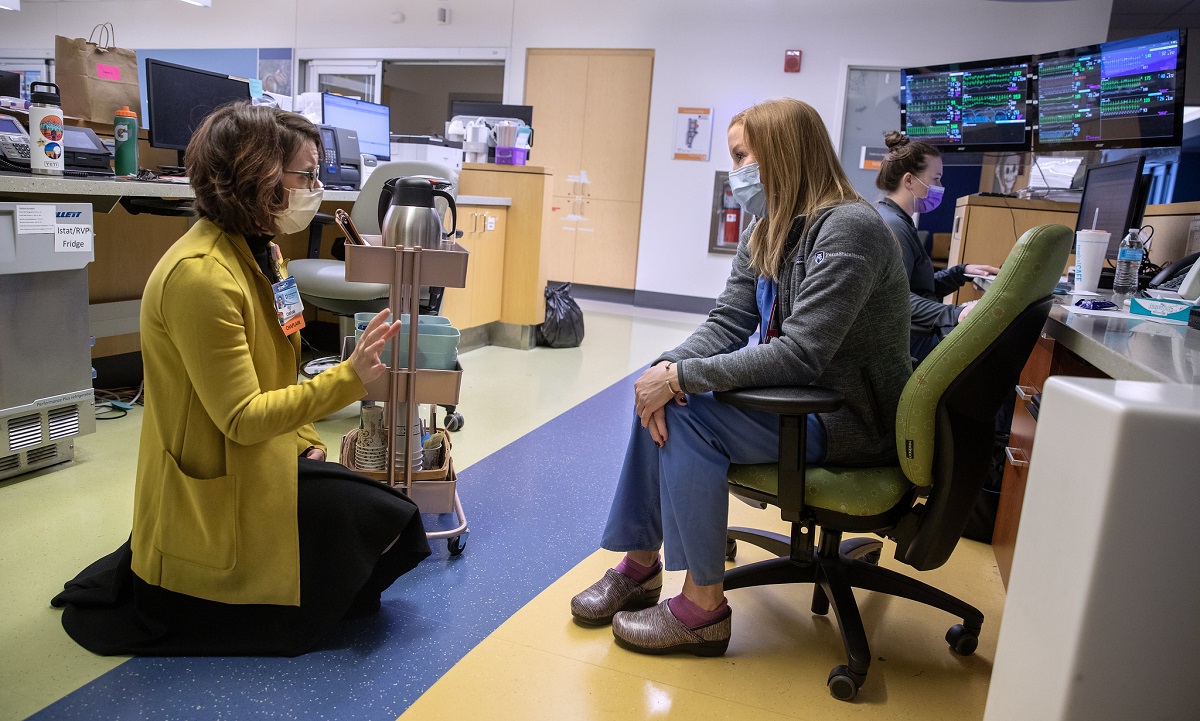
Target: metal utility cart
{"points": [[406, 270]]}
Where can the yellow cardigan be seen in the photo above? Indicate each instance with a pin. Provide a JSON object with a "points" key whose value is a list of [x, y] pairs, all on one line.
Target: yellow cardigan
{"points": [[215, 502]]}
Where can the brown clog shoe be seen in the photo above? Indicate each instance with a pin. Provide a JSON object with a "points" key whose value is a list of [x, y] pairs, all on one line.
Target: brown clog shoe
{"points": [[596, 604], [656, 630]]}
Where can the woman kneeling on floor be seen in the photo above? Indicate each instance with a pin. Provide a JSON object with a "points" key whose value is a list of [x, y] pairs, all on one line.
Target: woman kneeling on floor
{"points": [[245, 541], [820, 276]]}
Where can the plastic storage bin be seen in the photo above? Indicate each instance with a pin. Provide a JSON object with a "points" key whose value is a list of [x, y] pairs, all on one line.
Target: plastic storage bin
{"points": [[511, 155], [437, 346]]}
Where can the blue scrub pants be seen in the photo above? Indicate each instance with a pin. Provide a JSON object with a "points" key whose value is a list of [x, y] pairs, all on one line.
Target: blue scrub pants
{"points": [[678, 493]]}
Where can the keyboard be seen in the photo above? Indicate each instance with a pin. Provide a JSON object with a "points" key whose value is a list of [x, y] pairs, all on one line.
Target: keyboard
{"points": [[69, 173], [1174, 283]]}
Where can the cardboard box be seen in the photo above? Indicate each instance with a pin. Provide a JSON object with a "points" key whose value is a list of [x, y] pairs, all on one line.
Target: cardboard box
{"points": [[1161, 308]]}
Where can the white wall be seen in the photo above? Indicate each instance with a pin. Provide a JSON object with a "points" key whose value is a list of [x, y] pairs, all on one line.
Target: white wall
{"points": [[722, 54]]}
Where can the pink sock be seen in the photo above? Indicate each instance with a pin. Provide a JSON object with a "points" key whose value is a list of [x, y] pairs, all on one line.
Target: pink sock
{"points": [[692, 616], [636, 571]]}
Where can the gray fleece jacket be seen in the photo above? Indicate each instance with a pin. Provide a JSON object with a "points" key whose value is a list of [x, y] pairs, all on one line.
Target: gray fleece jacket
{"points": [[843, 303]]}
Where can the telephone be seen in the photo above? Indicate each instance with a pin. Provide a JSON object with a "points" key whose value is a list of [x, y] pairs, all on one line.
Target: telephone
{"points": [[1180, 276], [14, 144]]}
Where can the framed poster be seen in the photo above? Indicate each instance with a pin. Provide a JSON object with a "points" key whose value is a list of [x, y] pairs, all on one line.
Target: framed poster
{"points": [[693, 133]]}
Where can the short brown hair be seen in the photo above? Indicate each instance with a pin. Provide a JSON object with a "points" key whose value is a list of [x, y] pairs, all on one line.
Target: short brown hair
{"points": [[904, 155], [235, 164]]}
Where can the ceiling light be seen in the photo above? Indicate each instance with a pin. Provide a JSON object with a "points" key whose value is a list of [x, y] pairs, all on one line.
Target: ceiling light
{"points": [[200, 3], [10, 4]]}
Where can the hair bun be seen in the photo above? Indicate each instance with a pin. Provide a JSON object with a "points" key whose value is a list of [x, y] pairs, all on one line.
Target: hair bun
{"points": [[894, 139]]}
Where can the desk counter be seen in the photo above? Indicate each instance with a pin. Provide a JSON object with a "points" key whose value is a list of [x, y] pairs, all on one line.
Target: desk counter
{"points": [[1128, 349]]}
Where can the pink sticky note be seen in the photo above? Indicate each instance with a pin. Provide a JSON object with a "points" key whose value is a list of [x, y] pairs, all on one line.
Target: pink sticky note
{"points": [[108, 72]]}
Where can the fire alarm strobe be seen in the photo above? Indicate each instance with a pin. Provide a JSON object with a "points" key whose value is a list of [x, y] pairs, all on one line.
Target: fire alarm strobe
{"points": [[791, 61]]}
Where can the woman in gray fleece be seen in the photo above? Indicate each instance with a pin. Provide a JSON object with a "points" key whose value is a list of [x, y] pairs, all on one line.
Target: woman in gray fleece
{"points": [[819, 276]]}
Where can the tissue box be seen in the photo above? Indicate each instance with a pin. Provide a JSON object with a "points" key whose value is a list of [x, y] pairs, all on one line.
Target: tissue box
{"points": [[1161, 308], [510, 155]]}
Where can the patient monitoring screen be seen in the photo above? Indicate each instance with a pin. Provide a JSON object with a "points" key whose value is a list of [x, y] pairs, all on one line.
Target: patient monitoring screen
{"points": [[1119, 93], [965, 107]]}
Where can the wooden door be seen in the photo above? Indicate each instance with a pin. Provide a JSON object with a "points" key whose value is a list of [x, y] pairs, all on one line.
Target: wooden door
{"points": [[556, 87], [615, 128], [558, 238], [489, 267], [457, 302], [606, 244]]}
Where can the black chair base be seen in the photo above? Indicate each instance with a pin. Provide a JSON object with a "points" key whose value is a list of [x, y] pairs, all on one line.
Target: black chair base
{"points": [[837, 567]]}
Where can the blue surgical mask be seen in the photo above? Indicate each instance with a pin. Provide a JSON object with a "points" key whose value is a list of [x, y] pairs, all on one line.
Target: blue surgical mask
{"points": [[748, 190], [931, 200]]}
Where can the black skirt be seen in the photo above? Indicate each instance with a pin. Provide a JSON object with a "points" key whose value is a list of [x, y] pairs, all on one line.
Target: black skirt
{"points": [[346, 521]]}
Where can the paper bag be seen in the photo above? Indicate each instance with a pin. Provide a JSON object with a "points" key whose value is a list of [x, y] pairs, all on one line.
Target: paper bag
{"points": [[95, 77]]}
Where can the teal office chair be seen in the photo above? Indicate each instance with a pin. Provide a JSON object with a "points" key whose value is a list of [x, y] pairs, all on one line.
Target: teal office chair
{"points": [[944, 431]]}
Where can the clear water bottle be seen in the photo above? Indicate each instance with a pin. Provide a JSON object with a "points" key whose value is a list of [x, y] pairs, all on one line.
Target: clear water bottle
{"points": [[1129, 260]]}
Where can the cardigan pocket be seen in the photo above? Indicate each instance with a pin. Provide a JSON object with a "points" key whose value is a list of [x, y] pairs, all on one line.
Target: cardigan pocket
{"points": [[197, 517]]}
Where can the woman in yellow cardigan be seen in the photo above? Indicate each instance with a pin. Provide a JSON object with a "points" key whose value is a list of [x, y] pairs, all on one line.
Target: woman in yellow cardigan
{"points": [[245, 541]]}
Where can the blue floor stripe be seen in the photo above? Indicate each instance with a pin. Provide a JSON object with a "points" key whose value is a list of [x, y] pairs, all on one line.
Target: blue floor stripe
{"points": [[536, 508]]}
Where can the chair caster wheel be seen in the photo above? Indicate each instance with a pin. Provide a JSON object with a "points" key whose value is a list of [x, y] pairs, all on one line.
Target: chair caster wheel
{"points": [[844, 683], [730, 549], [454, 421], [962, 640], [457, 544]]}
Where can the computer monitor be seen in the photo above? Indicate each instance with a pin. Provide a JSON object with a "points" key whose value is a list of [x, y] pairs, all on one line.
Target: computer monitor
{"points": [[1114, 199], [1119, 94], [372, 122], [492, 110], [179, 98], [973, 107]]}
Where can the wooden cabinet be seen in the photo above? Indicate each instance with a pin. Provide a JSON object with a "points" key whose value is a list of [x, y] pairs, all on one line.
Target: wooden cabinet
{"points": [[1047, 359], [985, 229], [526, 250], [484, 231], [592, 133]]}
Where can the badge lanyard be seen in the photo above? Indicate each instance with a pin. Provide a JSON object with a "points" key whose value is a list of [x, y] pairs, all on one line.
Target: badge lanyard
{"points": [[288, 305]]}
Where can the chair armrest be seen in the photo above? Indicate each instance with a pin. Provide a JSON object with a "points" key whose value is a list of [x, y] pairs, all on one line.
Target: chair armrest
{"points": [[784, 400]]}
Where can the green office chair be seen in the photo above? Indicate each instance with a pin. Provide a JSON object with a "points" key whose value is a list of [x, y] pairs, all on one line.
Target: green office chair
{"points": [[944, 431]]}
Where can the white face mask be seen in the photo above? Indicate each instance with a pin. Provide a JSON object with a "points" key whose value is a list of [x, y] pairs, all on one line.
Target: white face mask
{"points": [[302, 206], [748, 190]]}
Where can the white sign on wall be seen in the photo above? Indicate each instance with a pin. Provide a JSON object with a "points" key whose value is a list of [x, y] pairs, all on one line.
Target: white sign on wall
{"points": [[693, 133]]}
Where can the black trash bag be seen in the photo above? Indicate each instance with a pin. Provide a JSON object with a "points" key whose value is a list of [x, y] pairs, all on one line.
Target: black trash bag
{"points": [[563, 327]]}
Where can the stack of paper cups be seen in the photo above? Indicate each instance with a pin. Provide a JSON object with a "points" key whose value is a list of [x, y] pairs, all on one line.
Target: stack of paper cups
{"points": [[408, 437], [370, 447]]}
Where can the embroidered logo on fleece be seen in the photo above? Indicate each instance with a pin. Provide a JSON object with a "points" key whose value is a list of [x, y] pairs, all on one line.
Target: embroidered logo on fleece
{"points": [[821, 256]]}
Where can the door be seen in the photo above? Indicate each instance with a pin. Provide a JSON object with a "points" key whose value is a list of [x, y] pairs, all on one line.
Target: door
{"points": [[458, 303], [615, 127], [488, 260], [872, 108], [353, 78], [606, 243], [556, 86], [559, 231]]}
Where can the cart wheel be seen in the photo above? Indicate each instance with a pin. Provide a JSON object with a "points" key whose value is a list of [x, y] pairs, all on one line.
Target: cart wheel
{"points": [[457, 545], [454, 421]]}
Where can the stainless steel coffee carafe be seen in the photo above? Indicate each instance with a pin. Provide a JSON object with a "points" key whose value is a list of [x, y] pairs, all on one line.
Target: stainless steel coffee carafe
{"points": [[411, 219]]}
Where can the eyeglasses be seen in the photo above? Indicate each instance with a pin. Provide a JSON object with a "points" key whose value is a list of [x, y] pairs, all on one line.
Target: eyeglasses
{"points": [[313, 177]]}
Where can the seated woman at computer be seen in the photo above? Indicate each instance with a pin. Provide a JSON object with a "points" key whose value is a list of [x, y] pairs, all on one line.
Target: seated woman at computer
{"points": [[244, 540], [820, 277], [911, 178]]}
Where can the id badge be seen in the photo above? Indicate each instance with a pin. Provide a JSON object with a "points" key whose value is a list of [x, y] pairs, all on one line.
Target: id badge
{"points": [[288, 305]]}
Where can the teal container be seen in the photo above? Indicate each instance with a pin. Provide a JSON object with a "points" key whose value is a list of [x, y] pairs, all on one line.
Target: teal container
{"points": [[125, 135], [437, 344]]}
